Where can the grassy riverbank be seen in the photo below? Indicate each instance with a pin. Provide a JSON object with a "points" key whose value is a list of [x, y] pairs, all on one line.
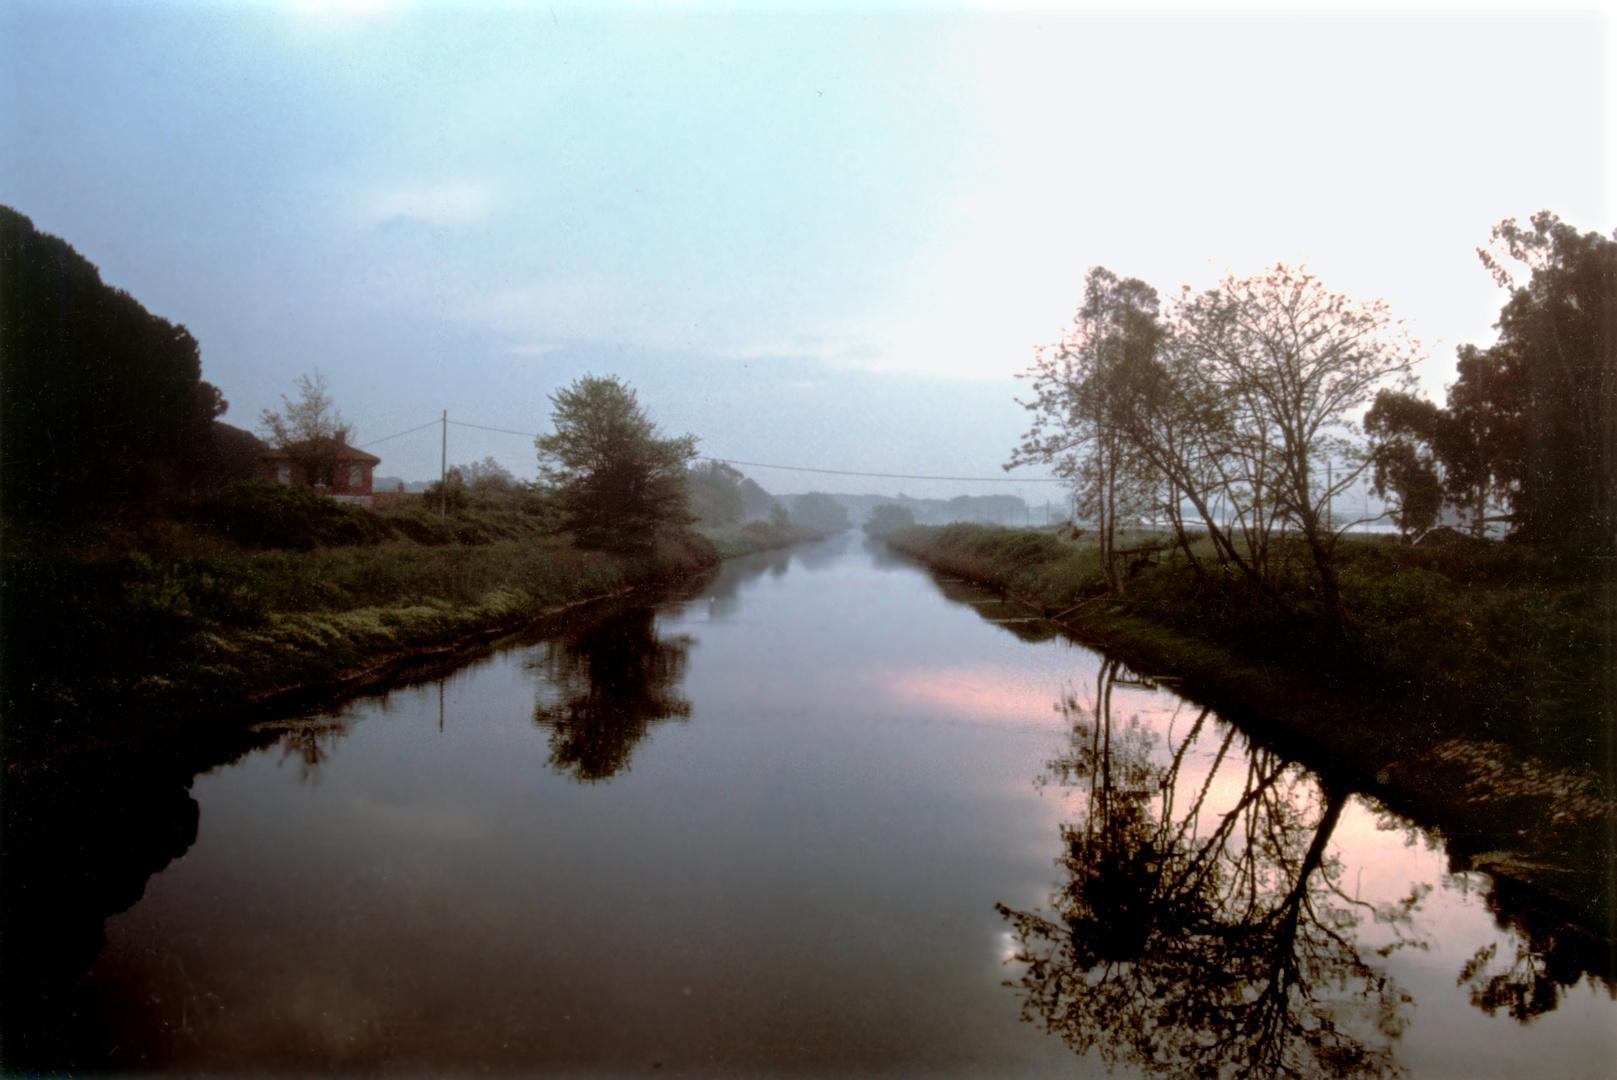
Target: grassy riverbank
{"points": [[1469, 691], [120, 631], [734, 541]]}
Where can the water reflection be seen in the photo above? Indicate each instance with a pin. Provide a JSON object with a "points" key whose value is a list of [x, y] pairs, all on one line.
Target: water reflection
{"points": [[1544, 958], [606, 682], [1202, 928]]}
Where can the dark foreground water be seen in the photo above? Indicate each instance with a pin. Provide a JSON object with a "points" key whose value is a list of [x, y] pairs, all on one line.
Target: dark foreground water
{"points": [[828, 816]]}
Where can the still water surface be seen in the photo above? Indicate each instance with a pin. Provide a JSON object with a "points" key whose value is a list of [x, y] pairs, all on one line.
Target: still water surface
{"points": [[827, 816]]}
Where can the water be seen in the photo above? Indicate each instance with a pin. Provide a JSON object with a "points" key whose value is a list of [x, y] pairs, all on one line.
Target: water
{"points": [[826, 816]]}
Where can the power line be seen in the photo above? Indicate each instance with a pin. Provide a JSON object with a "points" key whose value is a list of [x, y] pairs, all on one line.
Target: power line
{"points": [[396, 434], [896, 476], [484, 427], [762, 465]]}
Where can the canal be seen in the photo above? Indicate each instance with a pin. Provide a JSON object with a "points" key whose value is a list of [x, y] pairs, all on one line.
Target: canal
{"points": [[825, 815]]}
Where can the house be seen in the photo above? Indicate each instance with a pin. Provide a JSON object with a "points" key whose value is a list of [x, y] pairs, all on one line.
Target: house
{"points": [[343, 472]]}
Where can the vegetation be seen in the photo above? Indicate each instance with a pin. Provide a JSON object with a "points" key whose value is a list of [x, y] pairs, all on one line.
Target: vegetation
{"points": [[1527, 424], [104, 402], [618, 482], [887, 519], [820, 511], [309, 430], [1496, 640], [173, 621]]}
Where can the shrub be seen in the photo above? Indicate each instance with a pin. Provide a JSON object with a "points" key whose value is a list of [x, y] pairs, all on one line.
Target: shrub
{"points": [[263, 514]]}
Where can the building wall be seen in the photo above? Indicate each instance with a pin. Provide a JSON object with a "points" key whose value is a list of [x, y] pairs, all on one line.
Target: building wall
{"points": [[351, 479]]}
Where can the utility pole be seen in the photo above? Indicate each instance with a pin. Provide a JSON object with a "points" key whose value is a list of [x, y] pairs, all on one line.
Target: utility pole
{"points": [[443, 471]]}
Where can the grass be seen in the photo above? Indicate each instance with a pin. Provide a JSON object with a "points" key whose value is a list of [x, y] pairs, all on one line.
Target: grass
{"points": [[1495, 640], [116, 626]]}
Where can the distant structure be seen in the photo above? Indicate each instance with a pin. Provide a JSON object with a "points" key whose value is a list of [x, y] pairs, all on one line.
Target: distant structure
{"points": [[351, 470]]}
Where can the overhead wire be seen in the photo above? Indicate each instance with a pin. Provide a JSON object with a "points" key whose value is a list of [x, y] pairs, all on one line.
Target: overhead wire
{"points": [[763, 465]]}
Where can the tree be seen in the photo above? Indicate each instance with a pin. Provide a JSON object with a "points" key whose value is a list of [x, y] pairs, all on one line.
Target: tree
{"points": [[889, 518], [310, 430], [487, 476], [1407, 432], [716, 497], [1293, 362], [820, 511], [618, 482], [1543, 398], [1075, 430], [102, 401]]}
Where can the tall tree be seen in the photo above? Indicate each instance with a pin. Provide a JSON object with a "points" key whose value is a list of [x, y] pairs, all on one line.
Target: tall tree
{"points": [[618, 480], [1074, 429], [1548, 386], [102, 401]]}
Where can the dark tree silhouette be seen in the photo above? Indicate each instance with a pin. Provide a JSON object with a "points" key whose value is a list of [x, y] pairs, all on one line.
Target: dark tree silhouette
{"points": [[103, 401], [605, 684]]}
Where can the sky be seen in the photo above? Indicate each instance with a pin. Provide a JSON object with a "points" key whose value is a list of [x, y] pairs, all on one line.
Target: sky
{"points": [[825, 235]]}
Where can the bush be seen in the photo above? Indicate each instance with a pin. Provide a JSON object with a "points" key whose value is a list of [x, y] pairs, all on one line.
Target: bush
{"points": [[264, 514]]}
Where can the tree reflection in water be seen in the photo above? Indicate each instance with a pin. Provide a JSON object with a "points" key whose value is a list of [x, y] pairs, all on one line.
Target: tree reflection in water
{"points": [[605, 684], [1201, 929]]}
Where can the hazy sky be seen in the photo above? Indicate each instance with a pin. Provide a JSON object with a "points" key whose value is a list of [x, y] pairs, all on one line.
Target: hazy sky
{"points": [[824, 236]]}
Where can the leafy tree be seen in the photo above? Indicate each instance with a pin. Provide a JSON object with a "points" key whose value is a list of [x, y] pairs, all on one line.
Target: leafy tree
{"points": [[715, 493], [1406, 430], [103, 401], [618, 481], [779, 516], [889, 518], [487, 476], [309, 429], [1542, 401], [1075, 429], [818, 510], [755, 501]]}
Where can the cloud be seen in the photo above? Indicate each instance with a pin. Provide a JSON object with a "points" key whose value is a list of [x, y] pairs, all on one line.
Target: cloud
{"points": [[441, 206]]}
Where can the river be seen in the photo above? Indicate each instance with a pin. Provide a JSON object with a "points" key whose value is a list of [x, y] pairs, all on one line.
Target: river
{"points": [[825, 815]]}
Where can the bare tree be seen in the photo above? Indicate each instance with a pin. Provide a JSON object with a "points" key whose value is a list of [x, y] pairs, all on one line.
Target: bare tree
{"points": [[309, 429], [1293, 362]]}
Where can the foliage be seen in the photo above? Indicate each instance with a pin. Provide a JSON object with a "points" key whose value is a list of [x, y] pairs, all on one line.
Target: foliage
{"points": [[1405, 429], [619, 483], [715, 493], [888, 518], [487, 475], [818, 510], [264, 514], [1485, 637], [1075, 426], [103, 400], [1550, 381], [1239, 404], [132, 635], [310, 430], [1527, 423]]}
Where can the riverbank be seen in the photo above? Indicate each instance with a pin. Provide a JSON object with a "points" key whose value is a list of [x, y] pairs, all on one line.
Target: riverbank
{"points": [[1503, 752], [131, 638]]}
